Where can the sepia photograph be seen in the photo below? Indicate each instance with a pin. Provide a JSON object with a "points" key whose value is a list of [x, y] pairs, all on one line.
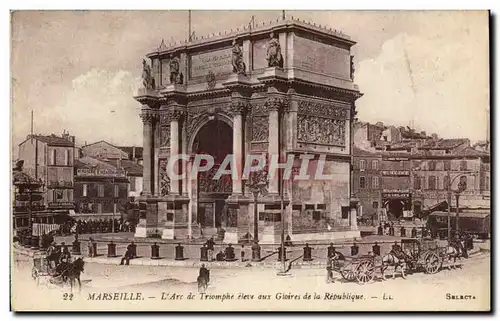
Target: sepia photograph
{"points": [[250, 160]]}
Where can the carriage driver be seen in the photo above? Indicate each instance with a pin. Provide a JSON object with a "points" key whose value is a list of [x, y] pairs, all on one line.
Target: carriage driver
{"points": [[51, 253], [397, 251], [65, 254]]}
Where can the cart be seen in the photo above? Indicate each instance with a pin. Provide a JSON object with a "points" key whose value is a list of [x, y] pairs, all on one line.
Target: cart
{"points": [[423, 255], [40, 269], [360, 269]]}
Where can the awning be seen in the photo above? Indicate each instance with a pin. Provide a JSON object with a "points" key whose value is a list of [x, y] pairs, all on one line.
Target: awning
{"points": [[481, 215]]}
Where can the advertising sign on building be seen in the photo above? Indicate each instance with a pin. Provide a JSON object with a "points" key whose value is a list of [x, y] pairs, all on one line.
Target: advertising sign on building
{"points": [[395, 173]]}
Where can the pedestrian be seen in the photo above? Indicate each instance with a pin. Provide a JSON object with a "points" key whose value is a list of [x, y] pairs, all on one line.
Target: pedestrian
{"points": [[329, 270], [91, 247], [242, 253], [210, 247]]}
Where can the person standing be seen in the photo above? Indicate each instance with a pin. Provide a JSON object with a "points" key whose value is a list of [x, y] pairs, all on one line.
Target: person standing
{"points": [[242, 253], [210, 247]]}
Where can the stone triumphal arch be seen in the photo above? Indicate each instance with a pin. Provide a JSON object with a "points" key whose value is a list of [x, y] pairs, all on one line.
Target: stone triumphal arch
{"points": [[285, 88]]}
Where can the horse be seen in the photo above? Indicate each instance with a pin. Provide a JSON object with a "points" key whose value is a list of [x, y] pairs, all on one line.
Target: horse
{"points": [[70, 271], [392, 260], [455, 250]]}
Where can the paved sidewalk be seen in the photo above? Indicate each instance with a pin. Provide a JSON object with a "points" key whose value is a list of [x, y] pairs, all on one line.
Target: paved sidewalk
{"points": [[268, 253]]}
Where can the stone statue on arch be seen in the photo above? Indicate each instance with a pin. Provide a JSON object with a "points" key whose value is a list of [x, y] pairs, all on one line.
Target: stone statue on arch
{"points": [[147, 77], [237, 60], [176, 77], [274, 57]]}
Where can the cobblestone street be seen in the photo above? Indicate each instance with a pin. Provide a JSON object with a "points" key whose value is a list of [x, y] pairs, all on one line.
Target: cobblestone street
{"points": [[154, 282]]}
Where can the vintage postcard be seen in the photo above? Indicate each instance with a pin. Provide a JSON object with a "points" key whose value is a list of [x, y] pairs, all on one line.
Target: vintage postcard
{"points": [[250, 161]]}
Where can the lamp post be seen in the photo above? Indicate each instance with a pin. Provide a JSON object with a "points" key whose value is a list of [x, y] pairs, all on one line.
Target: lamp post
{"points": [[461, 187], [257, 185]]}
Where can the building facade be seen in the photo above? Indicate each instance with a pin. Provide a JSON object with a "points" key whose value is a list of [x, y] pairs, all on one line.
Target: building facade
{"points": [[282, 89], [51, 160], [126, 158], [101, 190], [367, 182], [434, 169]]}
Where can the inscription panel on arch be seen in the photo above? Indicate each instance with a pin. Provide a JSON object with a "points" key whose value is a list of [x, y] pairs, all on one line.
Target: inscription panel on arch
{"points": [[219, 62], [318, 57]]}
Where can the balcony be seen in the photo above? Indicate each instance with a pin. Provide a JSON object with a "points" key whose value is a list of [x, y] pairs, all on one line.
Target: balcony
{"points": [[60, 184], [65, 205]]}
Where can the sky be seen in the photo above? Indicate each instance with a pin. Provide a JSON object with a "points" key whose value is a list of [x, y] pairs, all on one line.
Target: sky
{"points": [[79, 70]]}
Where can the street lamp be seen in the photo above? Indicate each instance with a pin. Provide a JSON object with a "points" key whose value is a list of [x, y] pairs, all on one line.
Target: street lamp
{"points": [[257, 183], [461, 187]]}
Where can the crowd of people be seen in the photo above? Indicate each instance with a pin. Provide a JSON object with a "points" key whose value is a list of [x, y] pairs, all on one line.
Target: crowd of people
{"points": [[101, 226]]}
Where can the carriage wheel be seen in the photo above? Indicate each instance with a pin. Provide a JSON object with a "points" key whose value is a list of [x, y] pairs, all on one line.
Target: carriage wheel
{"points": [[432, 263], [365, 272], [348, 272]]}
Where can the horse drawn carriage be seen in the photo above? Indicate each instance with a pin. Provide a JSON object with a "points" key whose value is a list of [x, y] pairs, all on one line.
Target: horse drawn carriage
{"points": [[65, 271], [415, 255]]}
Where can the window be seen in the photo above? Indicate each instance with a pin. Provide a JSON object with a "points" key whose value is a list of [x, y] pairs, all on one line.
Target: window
{"points": [[58, 195], [432, 166], [362, 182], [487, 181], [316, 215], [375, 182], [345, 212], [99, 208], [462, 184], [52, 156], [66, 157], [417, 183], [362, 165], [375, 204], [116, 190], [385, 137], [84, 190], [375, 164], [447, 165], [132, 184], [100, 190], [446, 182], [463, 165], [432, 182]]}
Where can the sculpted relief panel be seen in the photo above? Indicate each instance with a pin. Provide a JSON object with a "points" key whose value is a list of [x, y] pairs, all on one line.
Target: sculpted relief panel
{"points": [[165, 136], [317, 130], [164, 179], [319, 123], [322, 58], [260, 130], [219, 62]]}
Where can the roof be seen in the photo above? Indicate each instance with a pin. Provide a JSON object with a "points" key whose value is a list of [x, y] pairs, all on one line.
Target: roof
{"points": [[129, 151], [89, 162], [445, 143], [132, 168], [401, 145], [469, 151], [356, 151], [466, 214], [52, 140]]}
